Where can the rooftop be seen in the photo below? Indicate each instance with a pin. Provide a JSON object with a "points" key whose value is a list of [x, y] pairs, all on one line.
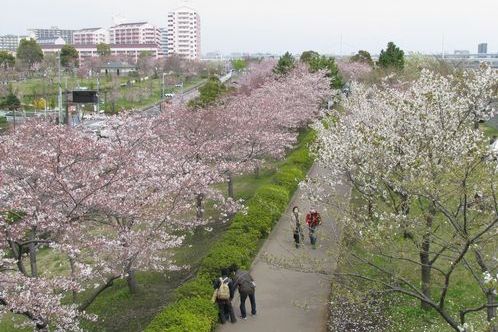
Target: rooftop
{"points": [[88, 30], [129, 24], [117, 65]]}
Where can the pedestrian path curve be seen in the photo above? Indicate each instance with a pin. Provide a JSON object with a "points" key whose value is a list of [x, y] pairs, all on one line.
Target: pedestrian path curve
{"points": [[293, 284]]}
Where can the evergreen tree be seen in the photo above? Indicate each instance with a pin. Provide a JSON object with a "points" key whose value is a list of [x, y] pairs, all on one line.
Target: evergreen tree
{"points": [[392, 57], [69, 56], [363, 57], [29, 52], [285, 64]]}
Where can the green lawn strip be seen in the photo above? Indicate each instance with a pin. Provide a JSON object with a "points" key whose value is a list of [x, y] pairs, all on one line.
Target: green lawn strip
{"points": [[193, 310]]}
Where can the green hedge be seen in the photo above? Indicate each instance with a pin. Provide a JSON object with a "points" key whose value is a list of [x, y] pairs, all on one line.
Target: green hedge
{"points": [[193, 310]]}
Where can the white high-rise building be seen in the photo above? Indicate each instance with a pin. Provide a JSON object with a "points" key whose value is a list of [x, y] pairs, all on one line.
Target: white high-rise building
{"points": [[184, 33]]}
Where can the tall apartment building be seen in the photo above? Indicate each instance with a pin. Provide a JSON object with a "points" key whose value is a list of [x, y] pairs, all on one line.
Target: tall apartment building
{"points": [[10, 42], [91, 36], [164, 41], [482, 48], [184, 33], [135, 33], [53, 32]]}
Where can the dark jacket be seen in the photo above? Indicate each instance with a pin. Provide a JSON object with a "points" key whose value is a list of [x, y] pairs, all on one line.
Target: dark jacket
{"points": [[231, 286], [244, 282]]}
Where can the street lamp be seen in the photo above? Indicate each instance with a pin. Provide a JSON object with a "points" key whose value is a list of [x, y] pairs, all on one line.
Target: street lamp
{"points": [[162, 95], [60, 87]]}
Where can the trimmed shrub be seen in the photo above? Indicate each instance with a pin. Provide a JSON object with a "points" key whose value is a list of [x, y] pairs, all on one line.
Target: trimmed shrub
{"points": [[187, 315], [198, 287], [273, 197], [289, 177], [223, 255]]}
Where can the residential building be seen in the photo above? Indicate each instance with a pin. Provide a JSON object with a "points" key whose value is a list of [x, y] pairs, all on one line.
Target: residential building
{"points": [[184, 33], [53, 32], [482, 48], [91, 36], [51, 41], [10, 42], [135, 33], [164, 41], [132, 51]]}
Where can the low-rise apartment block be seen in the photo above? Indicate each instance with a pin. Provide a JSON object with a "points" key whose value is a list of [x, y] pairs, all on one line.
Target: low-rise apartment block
{"points": [[135, 33], [91, 36]]}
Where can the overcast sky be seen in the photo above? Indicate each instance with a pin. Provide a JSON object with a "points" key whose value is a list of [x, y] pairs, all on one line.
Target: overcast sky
{"points": [[278, 25]]}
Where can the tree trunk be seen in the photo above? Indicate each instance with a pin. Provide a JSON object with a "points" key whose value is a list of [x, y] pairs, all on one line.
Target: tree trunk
{"points": [[425, 269], [490, 296], [199, 210], [42, 327], [96, 293], [32, 253], [17, 251], [132, 281], [405, 209], [73, 275], [230, 184], [491, 311], [257, 171]]}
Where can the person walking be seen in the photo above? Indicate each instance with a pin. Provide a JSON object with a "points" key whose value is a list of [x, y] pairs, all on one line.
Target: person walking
{"points": [[223, 295], [313, 220], [296, 226], [246, 286]]}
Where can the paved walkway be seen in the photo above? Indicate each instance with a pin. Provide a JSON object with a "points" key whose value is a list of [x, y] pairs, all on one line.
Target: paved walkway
{"points": [[293, 285]]}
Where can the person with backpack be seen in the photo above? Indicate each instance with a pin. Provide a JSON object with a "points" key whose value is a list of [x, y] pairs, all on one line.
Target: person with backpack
{"points": [[296, 226], [313, 220], [246, 286], [223, 295]]}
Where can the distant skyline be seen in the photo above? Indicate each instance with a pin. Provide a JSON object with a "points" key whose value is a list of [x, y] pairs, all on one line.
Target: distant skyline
{"points": [[279, 26]]}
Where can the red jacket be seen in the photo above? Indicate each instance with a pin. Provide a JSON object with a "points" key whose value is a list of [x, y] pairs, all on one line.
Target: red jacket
{"points": [[313, 219]]}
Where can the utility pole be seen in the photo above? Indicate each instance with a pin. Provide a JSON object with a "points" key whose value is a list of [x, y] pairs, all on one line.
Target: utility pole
{"points": [[67, 109], [60, 87], [162, 88], [442, 46], [98, 95]]}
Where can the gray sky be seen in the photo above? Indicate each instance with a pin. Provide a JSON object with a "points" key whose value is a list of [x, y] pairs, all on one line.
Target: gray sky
{"points": [[294, 25]]}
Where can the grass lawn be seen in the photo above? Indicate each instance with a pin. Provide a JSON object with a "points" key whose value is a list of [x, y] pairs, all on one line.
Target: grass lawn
{"points": [[117, 309], [490, 129]]}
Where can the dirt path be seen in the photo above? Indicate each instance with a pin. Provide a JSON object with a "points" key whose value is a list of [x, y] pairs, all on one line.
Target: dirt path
{"points": [[293, 285]]}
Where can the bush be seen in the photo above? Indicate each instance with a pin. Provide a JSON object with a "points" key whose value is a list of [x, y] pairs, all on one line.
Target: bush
{"points": [[223, 255], [289, 177], [187, 315], [199, 287], [193, 310]]}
